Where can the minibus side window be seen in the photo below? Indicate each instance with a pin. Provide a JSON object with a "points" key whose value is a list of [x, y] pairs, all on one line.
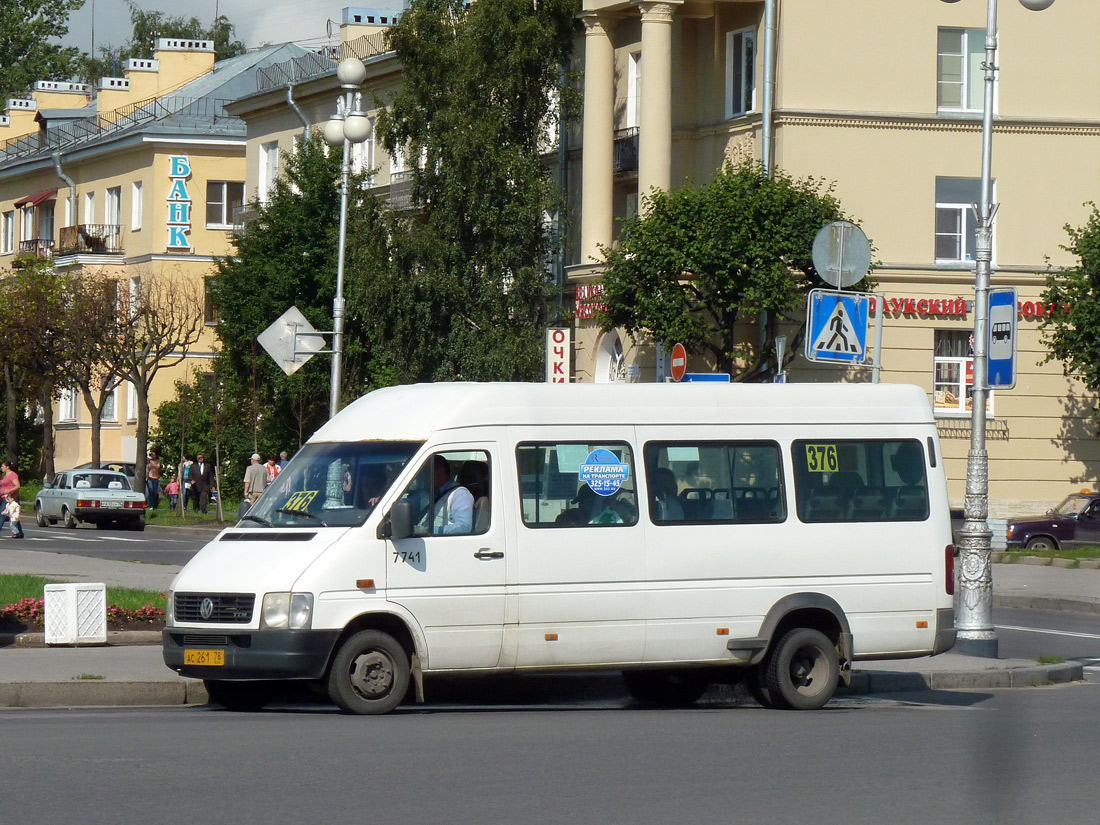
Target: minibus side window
{"points": [[577, 484], [714, 482], [450, 494], [846, 480]]}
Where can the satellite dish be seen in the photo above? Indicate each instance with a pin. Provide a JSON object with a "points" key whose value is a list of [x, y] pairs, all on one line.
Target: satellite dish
{"points": [[841, 253]]}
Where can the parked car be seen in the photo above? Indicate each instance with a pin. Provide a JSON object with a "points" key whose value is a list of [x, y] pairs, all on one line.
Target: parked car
{"points": [[1073, 523], [102, 497], [127, 468]]}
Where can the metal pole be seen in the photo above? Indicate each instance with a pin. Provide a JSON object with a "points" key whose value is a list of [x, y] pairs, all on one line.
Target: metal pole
{"points": [[974, 617], [338, 302]]}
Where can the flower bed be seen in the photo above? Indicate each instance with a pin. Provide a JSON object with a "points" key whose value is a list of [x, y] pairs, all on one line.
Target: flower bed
{"points": [[30, 615]]}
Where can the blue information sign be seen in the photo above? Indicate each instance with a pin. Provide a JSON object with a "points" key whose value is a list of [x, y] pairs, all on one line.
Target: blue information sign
{"points": [[1001, 344], [711, 377]]}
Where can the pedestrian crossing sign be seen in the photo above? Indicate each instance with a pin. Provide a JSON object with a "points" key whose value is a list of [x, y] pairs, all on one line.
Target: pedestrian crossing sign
{"points": [[836, 326]]}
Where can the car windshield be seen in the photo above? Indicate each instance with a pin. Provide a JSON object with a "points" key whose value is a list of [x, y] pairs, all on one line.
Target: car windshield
{"points": [[1072, 505], [331, 485], [99, 481]]}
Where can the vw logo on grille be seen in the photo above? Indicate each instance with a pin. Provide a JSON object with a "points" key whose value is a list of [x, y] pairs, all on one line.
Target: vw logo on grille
{"points": [[206, 609]]}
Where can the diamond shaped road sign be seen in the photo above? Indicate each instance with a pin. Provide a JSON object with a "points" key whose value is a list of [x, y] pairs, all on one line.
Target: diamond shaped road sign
{"points": [[291, 341]]}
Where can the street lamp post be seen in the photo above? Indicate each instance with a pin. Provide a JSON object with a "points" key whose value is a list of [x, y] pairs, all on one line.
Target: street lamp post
{"points": [[350, 125], [974, 617]]}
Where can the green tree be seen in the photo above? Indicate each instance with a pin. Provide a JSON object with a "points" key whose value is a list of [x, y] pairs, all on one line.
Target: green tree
{"points": [[1072, 329], [462, 291], [26, 55], [700, 259], [286, 257]]}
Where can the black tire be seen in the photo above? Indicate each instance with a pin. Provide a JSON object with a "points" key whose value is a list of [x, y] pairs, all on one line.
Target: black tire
{"points": [[137, 524], [68, 519], [668, 688], [242, 696], [1042, 543], [754, 681], [40, 519], [802, 671], [369, 674]]}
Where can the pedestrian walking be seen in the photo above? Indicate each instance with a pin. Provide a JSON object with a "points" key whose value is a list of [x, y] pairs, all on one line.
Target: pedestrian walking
{"points": [[14, 512], [255, 479], [173, 490], [153, 470], [9, 485], [202, 482]]}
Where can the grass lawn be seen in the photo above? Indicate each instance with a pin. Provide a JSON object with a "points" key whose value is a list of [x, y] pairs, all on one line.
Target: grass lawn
{"points": [[15, 586], [1075, 554]]}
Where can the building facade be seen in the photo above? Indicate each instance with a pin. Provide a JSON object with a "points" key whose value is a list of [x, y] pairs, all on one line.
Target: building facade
{"points": [[141, 178], [885, 100]]}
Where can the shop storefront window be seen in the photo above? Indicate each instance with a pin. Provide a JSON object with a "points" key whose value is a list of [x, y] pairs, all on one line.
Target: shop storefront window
{"points": [[953, 374]]}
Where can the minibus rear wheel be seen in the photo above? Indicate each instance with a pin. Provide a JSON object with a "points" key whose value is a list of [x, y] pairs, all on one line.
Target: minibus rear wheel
{"points": [[670, 688], [803, 670], [370, 674]]}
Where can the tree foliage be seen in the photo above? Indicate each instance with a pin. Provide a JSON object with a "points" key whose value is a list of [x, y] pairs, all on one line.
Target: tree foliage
{"points": [[26, 55], [699, 260], [286, 257], [463, 290], [1072, 329]]}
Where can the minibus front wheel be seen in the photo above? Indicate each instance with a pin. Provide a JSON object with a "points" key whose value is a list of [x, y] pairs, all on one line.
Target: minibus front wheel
{"points": [[369, 674]]}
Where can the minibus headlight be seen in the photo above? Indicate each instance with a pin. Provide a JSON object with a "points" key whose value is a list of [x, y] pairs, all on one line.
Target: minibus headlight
{"points": [[286, 610], [170, 611]]}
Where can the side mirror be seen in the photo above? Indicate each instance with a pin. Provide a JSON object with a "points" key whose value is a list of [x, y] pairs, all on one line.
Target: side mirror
{"points": [[401, 520]]}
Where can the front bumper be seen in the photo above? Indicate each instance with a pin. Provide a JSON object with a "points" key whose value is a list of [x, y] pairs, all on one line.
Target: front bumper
{"points": [[252, 654]]}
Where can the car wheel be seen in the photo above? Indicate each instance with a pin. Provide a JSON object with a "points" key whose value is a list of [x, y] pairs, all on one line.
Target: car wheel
{"points": [[242, 696], [757, 689], [370, 674], [137, 524], [41, 519], [68, 518], [1042, 543], [669, 688], [803, 670]]}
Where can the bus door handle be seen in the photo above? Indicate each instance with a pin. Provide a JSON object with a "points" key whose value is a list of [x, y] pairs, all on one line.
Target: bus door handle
{"points": [[484, 554]]}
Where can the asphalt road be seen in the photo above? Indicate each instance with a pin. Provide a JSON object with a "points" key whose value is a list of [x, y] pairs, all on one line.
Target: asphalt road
{"points": [[1029, 634], [154, 545], [1008, 757]]}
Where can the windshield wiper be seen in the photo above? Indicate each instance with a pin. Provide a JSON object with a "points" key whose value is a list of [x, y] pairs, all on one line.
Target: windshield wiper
{"points": [[290, 511], [250, 517]]}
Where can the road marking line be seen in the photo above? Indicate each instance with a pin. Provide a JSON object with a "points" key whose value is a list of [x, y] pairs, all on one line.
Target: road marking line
{"points": [[1050, 632]]}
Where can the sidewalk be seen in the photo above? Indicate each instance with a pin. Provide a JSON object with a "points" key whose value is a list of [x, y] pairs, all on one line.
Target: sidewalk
{"points": [[130, 671]]}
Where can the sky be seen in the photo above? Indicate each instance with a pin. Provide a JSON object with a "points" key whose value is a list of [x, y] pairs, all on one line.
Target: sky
{"points": [[257, 21]]}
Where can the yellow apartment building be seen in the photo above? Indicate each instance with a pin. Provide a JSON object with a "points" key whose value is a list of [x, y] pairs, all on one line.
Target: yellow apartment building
{"points": [[142, 176], [885, 99]]}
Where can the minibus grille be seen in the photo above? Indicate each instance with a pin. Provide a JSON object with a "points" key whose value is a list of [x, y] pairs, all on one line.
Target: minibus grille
{"points": [[224, 608]]}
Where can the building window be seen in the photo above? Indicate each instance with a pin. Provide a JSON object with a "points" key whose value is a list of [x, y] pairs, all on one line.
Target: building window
{"points": [[131, 402], [953, 374], [89, 207], [137, 205], [224, 199], [110, 406], [210, 312], [269, 169], [134, 296], [959, 72], [66, 407], [740, 72], [633, 89], [956, 219], [113, 208], [27, 228], [7, 233]]}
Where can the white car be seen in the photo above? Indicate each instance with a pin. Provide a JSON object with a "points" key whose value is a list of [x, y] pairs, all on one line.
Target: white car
{"points": [[102, 497]]}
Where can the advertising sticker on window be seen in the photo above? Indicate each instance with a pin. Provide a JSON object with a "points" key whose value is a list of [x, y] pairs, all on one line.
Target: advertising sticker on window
{"points": [[603, 472]]}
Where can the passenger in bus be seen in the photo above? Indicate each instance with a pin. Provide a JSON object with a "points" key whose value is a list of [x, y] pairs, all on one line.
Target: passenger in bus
{"points": [[453, 509], [666, 502], [911, 500], [596, 509]]}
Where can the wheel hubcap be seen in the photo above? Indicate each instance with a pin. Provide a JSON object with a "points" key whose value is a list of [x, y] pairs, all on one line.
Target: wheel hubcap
{"points": [[806, 668], [372, 674]]}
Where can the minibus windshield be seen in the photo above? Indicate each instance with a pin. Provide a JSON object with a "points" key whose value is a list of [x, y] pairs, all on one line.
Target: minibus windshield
{"points": [[331, 484]]}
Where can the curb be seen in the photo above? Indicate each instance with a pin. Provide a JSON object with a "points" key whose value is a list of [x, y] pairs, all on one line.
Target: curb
{"points": [[100, 694], [1047, 603], [884, 681], [115, 638]]}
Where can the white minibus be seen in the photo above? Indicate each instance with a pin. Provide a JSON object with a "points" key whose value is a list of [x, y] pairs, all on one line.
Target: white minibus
{"points": [[682, 534]]}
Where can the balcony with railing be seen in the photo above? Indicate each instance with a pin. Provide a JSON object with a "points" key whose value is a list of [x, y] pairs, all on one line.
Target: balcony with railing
{"points": [[37, 248], [90, 239], [626, 152], [400, 197]]}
